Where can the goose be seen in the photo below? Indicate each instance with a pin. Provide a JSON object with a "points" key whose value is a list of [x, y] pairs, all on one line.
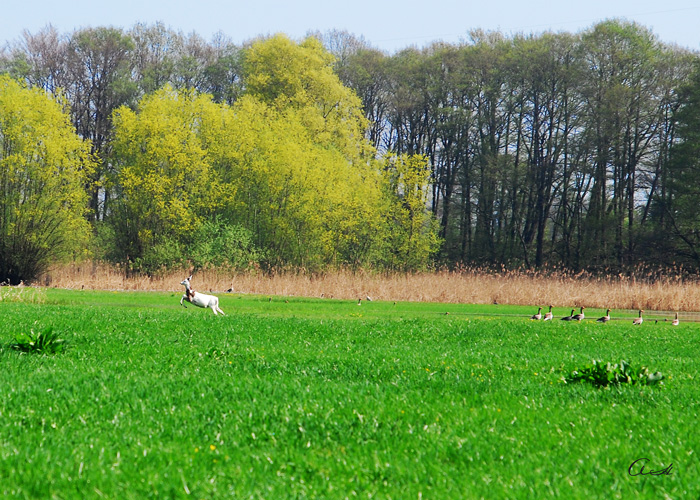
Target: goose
{"points": [[579, 316], [548, 316], [639, 320], [569, 317], [605, 318], [675, 321], [538, 315]]}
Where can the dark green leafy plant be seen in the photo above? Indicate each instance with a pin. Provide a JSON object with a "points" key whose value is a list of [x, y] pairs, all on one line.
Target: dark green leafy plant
{"points": [[45, 342], [602, 374], [220, 244]]}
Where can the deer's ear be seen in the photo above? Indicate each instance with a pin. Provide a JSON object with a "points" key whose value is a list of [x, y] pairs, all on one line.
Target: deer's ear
{"points": [[190, 278]]}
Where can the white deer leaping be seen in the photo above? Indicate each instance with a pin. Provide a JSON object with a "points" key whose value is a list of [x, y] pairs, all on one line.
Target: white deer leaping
{"points": [[199, 299]]}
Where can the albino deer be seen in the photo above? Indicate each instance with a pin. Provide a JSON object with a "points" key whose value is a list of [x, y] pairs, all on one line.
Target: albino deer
{"points": [[199, 299]]}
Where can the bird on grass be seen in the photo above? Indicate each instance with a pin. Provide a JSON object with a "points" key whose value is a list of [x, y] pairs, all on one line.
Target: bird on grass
{"points": [[548, 316], [604, 319], [579, 316], [569, 317], [675, 321], [538, 315], [640, 319]]}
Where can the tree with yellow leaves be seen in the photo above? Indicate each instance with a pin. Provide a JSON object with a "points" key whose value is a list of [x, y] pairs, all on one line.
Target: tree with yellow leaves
{"points": [[310, 186], [44, 168], [288, 162], [163, 177]]}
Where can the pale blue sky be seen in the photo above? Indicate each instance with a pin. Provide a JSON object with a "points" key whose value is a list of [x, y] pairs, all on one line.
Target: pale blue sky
{"points": [[387, 25]]}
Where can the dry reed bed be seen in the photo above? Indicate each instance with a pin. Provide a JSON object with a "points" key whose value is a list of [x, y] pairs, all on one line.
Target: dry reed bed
{"points": [[466, 286]]}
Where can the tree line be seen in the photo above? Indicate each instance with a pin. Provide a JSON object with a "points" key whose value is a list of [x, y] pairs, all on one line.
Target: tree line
{"points": [[556, 149], [282, 175], [572, 150]]}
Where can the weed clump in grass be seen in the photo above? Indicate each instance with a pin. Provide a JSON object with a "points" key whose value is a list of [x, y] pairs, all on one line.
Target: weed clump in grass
{"points": [[45, 342], [601, 374]]}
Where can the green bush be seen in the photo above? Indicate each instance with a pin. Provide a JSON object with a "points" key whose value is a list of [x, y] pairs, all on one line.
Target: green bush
{"points": [[219, 244], [214, 244], [602, 374], [46, 342]]}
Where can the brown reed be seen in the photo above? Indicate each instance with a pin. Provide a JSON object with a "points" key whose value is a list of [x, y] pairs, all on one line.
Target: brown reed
{"points": [[474, 286]]}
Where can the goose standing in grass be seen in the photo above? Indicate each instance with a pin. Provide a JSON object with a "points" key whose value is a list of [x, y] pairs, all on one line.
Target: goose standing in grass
{"points": [[548, 316], [537, 316], [639, 320], [675, 321], [579, 316], [569, 317], [604, 319]]}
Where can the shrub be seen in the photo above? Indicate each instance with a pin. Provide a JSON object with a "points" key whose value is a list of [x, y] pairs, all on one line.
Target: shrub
{"points": [[602, 374], [45, 342], [214, 244], [218, 244]]}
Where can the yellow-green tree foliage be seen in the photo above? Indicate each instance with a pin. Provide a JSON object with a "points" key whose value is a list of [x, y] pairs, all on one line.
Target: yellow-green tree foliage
{"points": [[308, 204], [288, 161], [299, 78], [413, 231], [44, 167], [310, 155], [164, 179]]}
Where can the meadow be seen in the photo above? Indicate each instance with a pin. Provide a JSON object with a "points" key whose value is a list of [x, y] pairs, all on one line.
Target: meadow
{"points": [[290, 397]]}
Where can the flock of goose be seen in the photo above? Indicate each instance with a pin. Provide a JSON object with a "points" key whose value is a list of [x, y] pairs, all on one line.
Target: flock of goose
{"points": [[580, 315]]}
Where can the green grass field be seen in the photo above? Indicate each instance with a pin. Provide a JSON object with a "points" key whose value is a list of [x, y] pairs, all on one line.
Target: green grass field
{"points": [[324, 399]]}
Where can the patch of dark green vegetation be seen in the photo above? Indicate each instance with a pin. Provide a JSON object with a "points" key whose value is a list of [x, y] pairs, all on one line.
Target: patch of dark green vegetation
{"points": [[602, 374], [46, 341]]}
